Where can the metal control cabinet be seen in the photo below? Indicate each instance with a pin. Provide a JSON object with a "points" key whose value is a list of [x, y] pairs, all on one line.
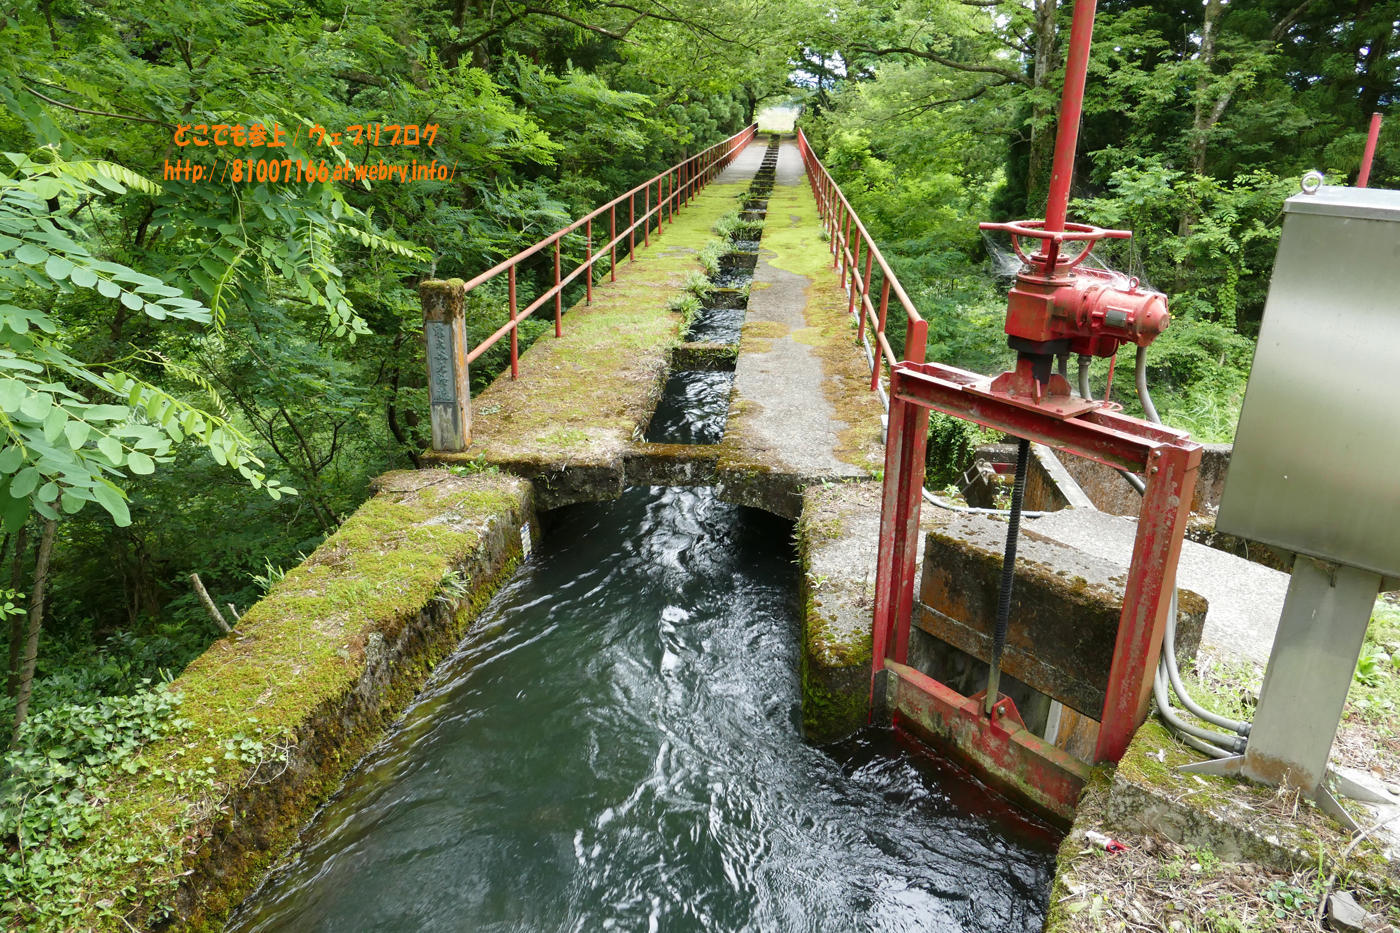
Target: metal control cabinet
{"points": [[1316, 464], [1314, 470]]}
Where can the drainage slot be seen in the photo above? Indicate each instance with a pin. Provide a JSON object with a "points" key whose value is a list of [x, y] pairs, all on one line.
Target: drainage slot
{"points": [[716, 325], [725, 298], [693, 408]]}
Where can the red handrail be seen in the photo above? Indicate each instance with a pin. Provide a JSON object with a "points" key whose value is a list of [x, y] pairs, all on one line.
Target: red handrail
{"points": [[679, 183], [838, 219]]}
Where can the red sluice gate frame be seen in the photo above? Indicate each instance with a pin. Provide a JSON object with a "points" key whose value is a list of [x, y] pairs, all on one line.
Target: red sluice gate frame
{"points": [[991, 736], [661, 196]]}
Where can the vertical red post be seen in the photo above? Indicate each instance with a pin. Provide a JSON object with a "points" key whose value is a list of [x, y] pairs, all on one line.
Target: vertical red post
{"points": [[1166, 505], [865, 282], [846, 244], [879, 329], [902, 496], [514, 329], [558, 295], [855, 274], [632, 227], [612, 243], [1363, 177], [588, 228], [646, 218], [1081, 33]]}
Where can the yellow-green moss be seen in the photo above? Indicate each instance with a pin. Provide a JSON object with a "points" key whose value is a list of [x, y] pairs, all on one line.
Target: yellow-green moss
{"points": [[792, 241], [583, 397], [289, 684]]}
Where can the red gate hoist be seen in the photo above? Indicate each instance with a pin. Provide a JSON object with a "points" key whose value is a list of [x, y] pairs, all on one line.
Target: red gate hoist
{"points": [[1057, 307]]}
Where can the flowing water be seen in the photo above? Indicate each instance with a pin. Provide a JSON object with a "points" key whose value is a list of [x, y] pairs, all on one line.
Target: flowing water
{"points": [[716, 325], [693, 409], [615, 745]]}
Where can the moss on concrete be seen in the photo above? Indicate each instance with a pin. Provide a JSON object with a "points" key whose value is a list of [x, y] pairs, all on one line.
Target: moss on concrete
{"points": [[836, 537], [793, 242], [583, 399], [275, 714], [1237, 819]]}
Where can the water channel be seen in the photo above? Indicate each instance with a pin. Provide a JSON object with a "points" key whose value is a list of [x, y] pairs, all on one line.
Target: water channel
{"points": [[616, 745]]}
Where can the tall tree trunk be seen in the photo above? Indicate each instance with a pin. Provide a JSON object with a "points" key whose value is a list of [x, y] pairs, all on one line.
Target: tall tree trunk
{"points": [[36, 620], [1042, 145], [16, 620], [1205, 115]]}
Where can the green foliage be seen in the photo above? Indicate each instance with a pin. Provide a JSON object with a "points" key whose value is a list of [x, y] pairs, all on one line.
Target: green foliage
{"points": [[46, 800], [951, 443], [1375, 691], [185, 352]]}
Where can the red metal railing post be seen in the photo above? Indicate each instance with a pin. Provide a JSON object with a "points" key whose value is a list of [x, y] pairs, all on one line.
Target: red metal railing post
{"points": [[632, 227], [558, 295], [916, 341], [612, 243], [514, 329], [865, 281], [1363, 177], [879, 329], [846, 241], [646, 218], [588, 233], [855, 275], [1081, 33]]}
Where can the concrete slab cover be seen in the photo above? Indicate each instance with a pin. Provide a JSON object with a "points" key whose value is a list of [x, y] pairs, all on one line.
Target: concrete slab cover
{"points": [[1245, 598]]}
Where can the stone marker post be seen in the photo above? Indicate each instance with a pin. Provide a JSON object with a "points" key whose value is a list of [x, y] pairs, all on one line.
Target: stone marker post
{"points": [[445, 336]]}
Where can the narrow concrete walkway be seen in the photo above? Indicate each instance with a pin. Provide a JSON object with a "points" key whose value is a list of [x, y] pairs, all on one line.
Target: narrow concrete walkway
{"points": [[800, 405], [800, 410]]}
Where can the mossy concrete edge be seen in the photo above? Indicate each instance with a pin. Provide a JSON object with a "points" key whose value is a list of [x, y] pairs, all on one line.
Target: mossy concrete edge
{"points": [[836, 545], [328, 658]]}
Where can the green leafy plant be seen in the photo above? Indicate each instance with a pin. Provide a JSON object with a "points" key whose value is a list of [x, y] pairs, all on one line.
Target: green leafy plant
{"points": [[73, 430]]}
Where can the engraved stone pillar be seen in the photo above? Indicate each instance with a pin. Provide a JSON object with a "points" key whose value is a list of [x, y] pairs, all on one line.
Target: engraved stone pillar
{"points": [[449, 392]]}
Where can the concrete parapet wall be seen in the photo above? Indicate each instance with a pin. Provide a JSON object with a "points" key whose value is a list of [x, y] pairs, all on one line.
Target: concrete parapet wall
{"points": [[836, 540], [1064, 612], [278, 712], [1109, 492]]}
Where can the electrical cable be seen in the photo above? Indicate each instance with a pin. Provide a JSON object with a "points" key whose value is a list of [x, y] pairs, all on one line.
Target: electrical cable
{"points": [[1168, 663], [1179, 725]]}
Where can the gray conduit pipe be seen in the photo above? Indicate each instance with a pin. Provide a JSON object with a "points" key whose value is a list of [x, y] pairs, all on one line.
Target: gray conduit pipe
{"points": [[1167, 671], [1184, 730], [1174, 674]]}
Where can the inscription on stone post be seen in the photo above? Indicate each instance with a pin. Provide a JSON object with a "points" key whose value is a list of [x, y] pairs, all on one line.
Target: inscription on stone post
{"points": [[444, 334]]}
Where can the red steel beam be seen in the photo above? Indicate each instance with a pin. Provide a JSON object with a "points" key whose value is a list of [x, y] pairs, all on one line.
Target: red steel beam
{"points": [[1106, 437], [1166, 506], [1000, 748]]}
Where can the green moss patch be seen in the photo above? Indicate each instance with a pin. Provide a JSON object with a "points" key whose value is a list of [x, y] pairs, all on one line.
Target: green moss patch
{"points": [[274, 715], [582, 399]]}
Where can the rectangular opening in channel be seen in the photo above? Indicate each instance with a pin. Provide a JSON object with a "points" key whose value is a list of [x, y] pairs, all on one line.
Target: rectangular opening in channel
{"points": [[693, 409]]}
